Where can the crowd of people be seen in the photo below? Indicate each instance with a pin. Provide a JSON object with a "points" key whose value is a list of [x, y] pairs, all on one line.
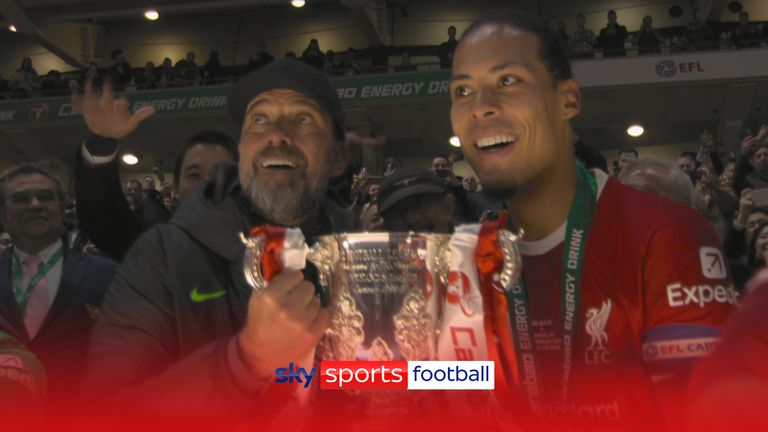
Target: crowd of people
{"points": [[132, 296], [582, 42]]}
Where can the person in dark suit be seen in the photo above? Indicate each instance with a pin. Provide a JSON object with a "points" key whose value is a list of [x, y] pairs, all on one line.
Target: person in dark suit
{"points": [[50, 295]]}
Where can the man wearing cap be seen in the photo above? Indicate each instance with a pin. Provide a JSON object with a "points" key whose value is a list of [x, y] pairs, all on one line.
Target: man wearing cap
{"points": [[415, 199], [181, 338]]}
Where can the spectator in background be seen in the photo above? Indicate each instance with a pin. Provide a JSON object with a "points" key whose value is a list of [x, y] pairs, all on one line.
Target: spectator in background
{"points": [[469, 183], [758, 247], [713, 151], [50, 307], [53, 85], [165, 74], [562, 34], [414, 199], [405, 64], [611, 38], [104, 216], [4, 88], [442, 167], [752, 167], [647, 39], [370, 220], [391, 165], [148, 78], [687, 163], [331, 63], [718, 204], [262, 58], [445, 50], [746, 34], [132, 192], [659, 177], [726, 178], [739, 233], [347, 64], [186, 70], [25, 82], [627, 156], [313, 56], [120, 72], [582, 40], [212, 70]]}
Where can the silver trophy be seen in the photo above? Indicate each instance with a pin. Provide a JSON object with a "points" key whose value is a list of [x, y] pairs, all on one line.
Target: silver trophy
{"points": [[386, 290]]}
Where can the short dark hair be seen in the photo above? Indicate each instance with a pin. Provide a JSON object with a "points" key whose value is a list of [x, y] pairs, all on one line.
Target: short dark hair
{"points": [[689, 154], [31, 168], [115, 53], [551, 49], [211, 137], [628, 150], [752, 260], [611, 11]]}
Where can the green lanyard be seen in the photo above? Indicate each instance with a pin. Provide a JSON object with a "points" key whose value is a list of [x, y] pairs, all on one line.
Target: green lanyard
{"points": [[579, 220], [22, 295]]}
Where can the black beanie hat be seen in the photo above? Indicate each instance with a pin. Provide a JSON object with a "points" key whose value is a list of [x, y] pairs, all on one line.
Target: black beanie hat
{"points": [[293, 75]]}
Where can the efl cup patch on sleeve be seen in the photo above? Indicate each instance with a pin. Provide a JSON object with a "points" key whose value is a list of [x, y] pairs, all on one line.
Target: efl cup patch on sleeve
{"points": [[673, 349]]}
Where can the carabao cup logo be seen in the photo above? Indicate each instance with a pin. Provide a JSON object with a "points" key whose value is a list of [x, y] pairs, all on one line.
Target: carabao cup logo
{"points": [[459, 291], [666, 68]]}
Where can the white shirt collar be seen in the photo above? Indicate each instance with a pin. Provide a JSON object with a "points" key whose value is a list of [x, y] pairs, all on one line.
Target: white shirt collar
{"points": [[44, 254], [540, 247]]}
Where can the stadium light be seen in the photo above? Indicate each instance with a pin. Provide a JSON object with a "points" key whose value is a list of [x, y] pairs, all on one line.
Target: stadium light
{"points": [[130, 159], [12, 28], [297, 3], [151, 15], [454, 141], [635, 130]]}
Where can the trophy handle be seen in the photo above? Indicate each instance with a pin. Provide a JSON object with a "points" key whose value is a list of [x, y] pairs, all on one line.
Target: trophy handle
{"points": [[323, 257], [254, 246], [512, 261]]}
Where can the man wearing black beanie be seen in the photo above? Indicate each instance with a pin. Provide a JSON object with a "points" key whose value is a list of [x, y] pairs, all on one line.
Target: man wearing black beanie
{"points": [[182, 338]]}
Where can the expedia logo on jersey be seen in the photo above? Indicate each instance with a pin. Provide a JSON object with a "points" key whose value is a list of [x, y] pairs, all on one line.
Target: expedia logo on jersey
{"points": [[597, 319], [700, 295]]}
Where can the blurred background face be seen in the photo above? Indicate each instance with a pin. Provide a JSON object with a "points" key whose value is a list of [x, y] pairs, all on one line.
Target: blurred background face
{"points": [[686, 164], [611, 17], [753, 220], [440, 164], [761, 243], [760, 159], [197, 166], [33, 210]]}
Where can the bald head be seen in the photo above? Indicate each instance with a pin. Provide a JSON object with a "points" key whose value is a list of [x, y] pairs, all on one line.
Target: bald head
{"points": [[660, 177]]}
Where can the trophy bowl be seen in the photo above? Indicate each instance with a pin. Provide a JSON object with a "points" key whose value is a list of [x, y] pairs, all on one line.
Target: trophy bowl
{"points": [[384, 290]]}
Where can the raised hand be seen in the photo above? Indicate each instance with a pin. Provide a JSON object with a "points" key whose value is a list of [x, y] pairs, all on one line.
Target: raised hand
{"points": [[106, 116]]}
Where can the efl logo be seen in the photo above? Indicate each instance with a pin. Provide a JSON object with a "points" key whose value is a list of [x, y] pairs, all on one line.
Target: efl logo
{"points": [[411, 375]]}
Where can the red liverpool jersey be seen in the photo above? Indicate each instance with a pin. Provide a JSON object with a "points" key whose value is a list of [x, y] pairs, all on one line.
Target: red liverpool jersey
{"points": [[654, 290]]}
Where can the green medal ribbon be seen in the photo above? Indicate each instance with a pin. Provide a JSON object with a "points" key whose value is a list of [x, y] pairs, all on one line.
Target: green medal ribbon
{"points": [[579, 221], [22, 295]]}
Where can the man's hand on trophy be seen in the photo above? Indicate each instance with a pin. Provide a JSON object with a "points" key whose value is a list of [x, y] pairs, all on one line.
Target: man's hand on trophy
{"points": [[285, 322]]}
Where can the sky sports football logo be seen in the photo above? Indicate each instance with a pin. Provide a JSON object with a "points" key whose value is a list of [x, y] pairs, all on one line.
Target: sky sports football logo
{"points": [[393, 375]]}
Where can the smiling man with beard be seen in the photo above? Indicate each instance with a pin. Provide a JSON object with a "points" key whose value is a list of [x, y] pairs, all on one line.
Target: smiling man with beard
{"points": [[182, 339]]}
